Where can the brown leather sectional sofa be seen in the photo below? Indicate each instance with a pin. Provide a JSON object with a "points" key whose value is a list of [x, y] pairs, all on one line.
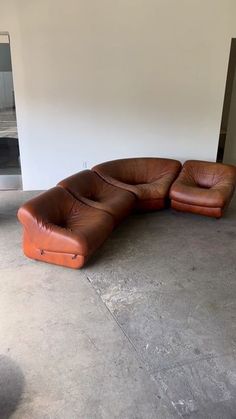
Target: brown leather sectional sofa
{"points": [[66, 224]]}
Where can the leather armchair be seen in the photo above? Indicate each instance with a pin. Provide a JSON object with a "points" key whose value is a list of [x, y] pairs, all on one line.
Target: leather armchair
{"points": [[204, 188]]}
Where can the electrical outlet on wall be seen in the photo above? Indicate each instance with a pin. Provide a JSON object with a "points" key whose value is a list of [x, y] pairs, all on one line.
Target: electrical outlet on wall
{"points": [[85, 164]]}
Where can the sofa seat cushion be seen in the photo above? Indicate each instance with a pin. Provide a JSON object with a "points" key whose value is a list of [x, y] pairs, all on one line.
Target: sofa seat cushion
{"points": [[62, 230], [147, 178], [92, 190], [215, 212], [204, 184]]}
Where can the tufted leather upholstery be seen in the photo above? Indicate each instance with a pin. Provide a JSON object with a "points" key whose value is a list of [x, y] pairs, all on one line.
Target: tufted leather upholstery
{"points": [[62, 230], [148, 178], [66, 224], [204, 188], [92, 190]]}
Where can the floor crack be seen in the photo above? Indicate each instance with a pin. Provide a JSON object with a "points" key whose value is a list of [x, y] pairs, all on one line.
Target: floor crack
{"points": [[138, 355]]}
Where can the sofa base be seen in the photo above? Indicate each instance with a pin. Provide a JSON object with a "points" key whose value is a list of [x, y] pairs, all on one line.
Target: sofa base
{"points": [[151, 204], [197, 209], [57, 258]]}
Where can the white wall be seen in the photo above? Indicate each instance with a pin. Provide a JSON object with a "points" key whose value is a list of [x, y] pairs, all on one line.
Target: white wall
{"points": [[230, 144], [97, 80], [4, 39]]}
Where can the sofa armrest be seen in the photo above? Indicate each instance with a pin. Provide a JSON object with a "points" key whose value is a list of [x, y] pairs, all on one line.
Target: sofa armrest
{"points": [[44, 221]]}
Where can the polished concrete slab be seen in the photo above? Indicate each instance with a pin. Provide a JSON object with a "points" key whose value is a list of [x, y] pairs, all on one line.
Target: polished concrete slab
{"points": [[146, 330], [173, 293]]}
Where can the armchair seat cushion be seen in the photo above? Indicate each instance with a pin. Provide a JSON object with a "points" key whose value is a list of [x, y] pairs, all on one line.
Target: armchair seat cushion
{"points": [[149, 179], [203, 187], [62, 230], [92, 190]]}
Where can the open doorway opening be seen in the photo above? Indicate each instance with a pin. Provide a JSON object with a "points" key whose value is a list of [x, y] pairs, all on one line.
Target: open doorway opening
{"points": [[227, 141], [10, 170]]}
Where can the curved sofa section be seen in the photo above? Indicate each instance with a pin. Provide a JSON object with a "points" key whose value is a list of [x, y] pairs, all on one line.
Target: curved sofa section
{"points": [[61, 229], [89, 188], [68, 223], [148, 178]]}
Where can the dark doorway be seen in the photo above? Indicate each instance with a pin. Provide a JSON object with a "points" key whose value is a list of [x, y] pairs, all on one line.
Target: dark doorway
{"points": [[227, 102], [10, 170]]}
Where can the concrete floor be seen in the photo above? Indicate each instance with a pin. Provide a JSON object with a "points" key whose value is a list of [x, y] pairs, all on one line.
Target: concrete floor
{"points": [[146, 331]]}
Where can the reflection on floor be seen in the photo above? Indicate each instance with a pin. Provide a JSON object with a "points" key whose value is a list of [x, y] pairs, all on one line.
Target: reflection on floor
{"points": [[9, 148]]}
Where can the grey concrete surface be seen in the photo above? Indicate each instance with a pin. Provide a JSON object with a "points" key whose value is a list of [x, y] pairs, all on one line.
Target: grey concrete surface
{"points": [[146, 330]]}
